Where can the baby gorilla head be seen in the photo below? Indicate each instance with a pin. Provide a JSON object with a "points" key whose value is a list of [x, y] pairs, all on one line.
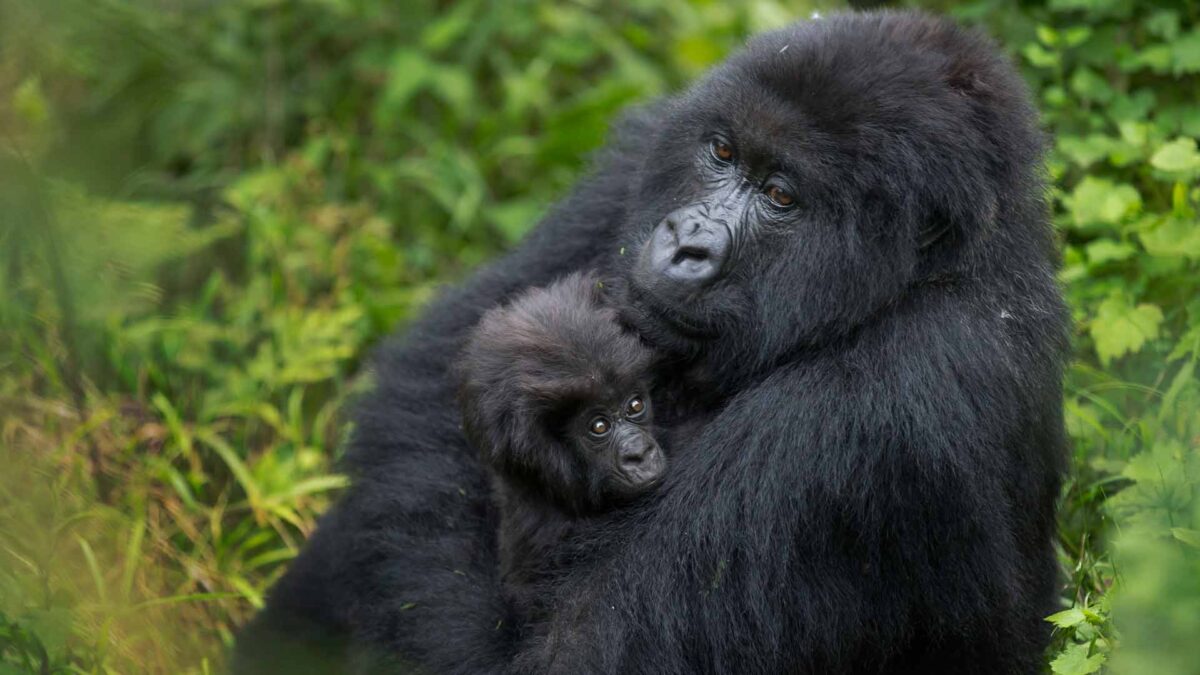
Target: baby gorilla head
{"points": [[618, 436], [554, 395]]}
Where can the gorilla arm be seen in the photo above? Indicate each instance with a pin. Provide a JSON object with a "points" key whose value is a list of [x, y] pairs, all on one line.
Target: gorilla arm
{"points": [[832, 511]]}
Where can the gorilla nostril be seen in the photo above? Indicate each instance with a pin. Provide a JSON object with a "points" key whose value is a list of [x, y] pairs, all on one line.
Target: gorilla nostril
{"points": [[689, 253]]}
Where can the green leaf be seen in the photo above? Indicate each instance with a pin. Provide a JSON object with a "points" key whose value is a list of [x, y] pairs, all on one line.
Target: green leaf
{"points": [[1153, 466], [1179, 155], [1085, 151], [440, 34], [1189, 343], [238, 468], [133, 555], [1120, 328], [89, 557], [29, 102], [1182, 119], [1133, 107], [1185, 53], [1076, 35], [1047, 35], [1164, 24], [407, 73], [1182, 381], [1067, 618], [1090, 86], [1102, 251], [1173, 237], [1135, 132], [1074, 660], [1157, 58], [52, 627], [1055, 97], [1039, 56], [453, 85], [1189, 537], [1100, 201]]}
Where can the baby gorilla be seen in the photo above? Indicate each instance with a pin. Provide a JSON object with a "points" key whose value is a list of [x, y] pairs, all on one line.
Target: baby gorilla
{"points": [[554, 395]]}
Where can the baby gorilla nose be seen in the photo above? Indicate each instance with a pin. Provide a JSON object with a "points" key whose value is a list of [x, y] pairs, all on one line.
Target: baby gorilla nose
{"points": [[640, 459], [687, 248]]}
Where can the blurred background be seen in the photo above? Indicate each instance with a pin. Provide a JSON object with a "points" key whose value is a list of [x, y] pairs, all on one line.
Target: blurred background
{"points": [[210, 211]]}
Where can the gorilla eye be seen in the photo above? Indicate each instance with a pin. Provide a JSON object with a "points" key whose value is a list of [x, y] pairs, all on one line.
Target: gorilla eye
{"points": [[635, 407], [722, 151], [599, 426], [779, 196]]}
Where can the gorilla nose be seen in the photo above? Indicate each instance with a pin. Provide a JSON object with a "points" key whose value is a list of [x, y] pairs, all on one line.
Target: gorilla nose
{"points": [[688, 248], [642, 462], [632, 456]]}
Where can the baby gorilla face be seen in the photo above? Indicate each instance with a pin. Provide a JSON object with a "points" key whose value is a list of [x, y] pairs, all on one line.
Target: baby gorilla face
{"points": [[553, 393], [615, 438]]}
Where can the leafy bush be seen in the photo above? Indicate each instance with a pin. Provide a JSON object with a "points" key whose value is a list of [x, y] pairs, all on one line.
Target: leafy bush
{"points": [[210, 211]]}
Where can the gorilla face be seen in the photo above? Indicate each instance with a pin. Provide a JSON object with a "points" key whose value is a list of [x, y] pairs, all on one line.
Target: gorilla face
{"points": [[689, 248], [612, 440], [796, 191]]}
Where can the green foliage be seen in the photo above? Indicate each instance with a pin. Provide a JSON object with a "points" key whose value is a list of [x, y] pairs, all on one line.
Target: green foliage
{"points": [[1116, 81], [209, 212]]}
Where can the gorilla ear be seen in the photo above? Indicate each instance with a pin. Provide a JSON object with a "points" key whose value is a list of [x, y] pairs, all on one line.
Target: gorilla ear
{"points": [[966, 81], [947, 230], [480, 427], [934, 231], [971, 68]]}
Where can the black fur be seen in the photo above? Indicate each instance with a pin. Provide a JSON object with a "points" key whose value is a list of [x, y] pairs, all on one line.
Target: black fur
{"points": [[869, 483], [535, 376]]}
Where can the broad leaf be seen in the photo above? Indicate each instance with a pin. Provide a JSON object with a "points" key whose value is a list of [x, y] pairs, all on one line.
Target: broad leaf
{"points": [[1106, 250], [1173, 237], [1100, 201], [1179, 155], [1074, 660], [1119, 328]]}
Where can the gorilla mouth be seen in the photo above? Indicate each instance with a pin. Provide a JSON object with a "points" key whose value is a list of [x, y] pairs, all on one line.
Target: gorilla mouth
{"points": [[627, 489], [648, 308]]}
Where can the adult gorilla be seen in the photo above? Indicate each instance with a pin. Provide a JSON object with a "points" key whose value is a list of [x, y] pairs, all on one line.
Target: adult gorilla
{"points": [[840, 234]]}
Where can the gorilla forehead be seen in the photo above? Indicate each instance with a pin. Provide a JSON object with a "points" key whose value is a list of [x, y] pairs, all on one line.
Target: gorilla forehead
{"points": [[562, 341], [833, 94], [852, 70]]}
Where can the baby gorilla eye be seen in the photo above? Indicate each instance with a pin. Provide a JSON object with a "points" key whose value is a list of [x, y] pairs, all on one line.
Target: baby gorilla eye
{"points": [[599, 426], [779, 196], [635, 407], [722, 151]]}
